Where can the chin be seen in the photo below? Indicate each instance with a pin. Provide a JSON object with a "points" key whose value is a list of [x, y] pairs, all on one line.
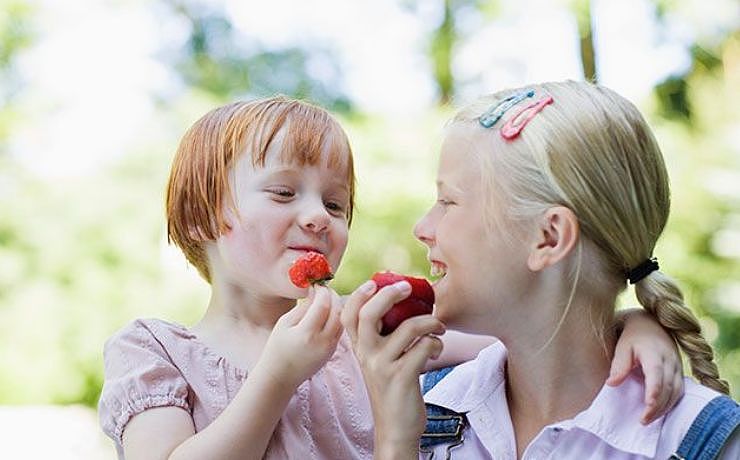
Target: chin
{"points": [[443, 313], [453, 317]]}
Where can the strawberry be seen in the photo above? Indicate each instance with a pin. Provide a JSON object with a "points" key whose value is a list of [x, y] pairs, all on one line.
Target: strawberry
{"points": [[310, 268], [419, 302]]}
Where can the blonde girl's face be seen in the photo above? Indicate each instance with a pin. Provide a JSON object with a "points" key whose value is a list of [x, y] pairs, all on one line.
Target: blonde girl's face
{"points": [[476, 267], [285, 211]]}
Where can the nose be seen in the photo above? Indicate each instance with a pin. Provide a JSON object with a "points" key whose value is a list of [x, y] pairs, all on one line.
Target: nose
{"points": [[314, 218], [424, 230]]}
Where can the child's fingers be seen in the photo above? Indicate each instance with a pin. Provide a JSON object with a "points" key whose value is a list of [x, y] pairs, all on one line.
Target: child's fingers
{"points": [[426, 348], [333, 325], [402, 339], [670, 393], [294, 315], [337, 301], [352, 305], [622, 365], [654, 390], [319, 309], [368, 326], [677, 388]]}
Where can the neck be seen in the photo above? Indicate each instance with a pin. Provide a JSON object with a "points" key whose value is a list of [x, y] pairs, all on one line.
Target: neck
{"points": [[238, 323], [241, 308], [557, 382], [235, 306], [553, 378]]}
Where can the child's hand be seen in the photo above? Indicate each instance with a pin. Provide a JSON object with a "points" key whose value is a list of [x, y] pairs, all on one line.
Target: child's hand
{"points": [[391, 364], [304, 338], [645, 343]]}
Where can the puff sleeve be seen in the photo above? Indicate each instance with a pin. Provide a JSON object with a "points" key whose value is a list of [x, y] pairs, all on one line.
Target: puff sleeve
{"points": [[139, 375]]}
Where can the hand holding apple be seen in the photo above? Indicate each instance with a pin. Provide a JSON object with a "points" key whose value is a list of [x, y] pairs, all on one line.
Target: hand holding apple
{"points": [[419, 302]]}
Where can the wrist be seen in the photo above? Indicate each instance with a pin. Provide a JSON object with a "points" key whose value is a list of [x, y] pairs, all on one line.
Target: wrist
{"points": [[397, 450], [394, 443], [274, 377]]}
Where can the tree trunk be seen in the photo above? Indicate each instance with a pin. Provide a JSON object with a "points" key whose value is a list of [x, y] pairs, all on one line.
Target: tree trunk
{"points": [[443, 40], [582, 11]]}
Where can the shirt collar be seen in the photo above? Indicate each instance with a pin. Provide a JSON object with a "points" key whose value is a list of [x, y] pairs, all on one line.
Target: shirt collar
{"points": [[613, 416], [472, 382]]}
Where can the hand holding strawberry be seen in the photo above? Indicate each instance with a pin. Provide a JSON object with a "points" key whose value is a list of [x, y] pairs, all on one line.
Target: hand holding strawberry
{"points": [[304, 338]]}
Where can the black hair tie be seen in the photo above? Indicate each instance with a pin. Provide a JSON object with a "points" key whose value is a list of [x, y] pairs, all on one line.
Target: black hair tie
{"points": [[642, 270]]}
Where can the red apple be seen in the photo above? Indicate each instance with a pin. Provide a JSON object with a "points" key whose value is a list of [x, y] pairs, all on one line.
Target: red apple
{"points": [[419, 302]]}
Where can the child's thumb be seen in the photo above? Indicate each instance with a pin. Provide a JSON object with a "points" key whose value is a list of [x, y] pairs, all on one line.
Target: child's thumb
{"points": [[311, 294], [292, 316]]}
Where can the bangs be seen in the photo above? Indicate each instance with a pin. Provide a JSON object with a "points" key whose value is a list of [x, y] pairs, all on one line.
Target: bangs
{"points": [[305, 134], [301, 134]]}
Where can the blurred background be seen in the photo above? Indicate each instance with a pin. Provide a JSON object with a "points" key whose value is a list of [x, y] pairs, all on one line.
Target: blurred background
{"points": [[95, 94]]}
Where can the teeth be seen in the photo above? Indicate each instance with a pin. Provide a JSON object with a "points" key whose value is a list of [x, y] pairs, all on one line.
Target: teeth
{"points": [[437, 270]]}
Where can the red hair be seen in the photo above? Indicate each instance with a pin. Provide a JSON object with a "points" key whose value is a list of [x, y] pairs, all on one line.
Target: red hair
{"points": [[199, 188]]}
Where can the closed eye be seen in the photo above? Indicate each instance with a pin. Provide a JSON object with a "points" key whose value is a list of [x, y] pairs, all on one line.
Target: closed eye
{"points": [[281, 192]]}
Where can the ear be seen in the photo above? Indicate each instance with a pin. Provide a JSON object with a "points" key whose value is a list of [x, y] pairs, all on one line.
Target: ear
{"points": [[557, 235]]}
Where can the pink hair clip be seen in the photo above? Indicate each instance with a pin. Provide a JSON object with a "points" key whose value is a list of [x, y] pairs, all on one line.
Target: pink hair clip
{"points": [[516, 123]]}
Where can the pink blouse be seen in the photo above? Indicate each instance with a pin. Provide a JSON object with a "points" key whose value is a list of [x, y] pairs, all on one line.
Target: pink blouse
{"points": [[153, 363]]}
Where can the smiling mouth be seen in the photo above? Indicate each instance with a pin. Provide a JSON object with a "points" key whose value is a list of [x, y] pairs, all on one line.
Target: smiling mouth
{"points": [[438, 270], [306, 249]]}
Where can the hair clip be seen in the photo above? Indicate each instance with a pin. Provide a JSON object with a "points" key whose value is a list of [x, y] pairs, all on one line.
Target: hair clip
{"points": [[514, 126], [494, 114]]}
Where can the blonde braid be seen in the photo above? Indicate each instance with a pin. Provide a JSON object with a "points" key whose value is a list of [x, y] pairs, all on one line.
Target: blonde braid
{"points": [[662, 298]]}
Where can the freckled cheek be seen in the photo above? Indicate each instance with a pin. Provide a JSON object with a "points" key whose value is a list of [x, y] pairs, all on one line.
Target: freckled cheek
{"points": [[339, 245], [246, 247]]}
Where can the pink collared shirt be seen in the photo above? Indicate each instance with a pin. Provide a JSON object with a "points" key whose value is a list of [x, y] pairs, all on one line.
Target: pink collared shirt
{"points": [[609, 429], [153, 363]]}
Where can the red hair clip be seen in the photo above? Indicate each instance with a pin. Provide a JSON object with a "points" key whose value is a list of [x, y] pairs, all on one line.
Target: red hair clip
{"points": [[516, 123]]}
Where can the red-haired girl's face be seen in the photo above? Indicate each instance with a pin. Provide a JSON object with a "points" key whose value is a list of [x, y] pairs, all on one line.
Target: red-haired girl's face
{"points": [[285, 210]]}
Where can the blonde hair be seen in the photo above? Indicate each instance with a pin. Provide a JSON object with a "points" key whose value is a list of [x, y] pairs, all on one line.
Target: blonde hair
{"points": [[592, 151], [199, 188]]}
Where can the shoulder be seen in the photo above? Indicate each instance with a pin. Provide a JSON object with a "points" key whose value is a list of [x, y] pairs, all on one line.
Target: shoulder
{"points": [[677, 422], [140, 373], [152, 334], [469, 384], [150, 327], [695, 398]]}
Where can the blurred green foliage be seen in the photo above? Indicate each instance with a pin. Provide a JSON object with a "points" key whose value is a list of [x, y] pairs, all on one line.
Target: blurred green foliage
{"points": [[16, 34], [229, 64], [80, 258]]}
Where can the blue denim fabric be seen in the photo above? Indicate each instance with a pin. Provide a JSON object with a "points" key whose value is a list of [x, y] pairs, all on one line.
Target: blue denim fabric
{"points": [[444, 426], [710, 430]]}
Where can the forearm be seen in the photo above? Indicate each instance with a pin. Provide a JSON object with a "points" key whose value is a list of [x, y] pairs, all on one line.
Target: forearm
{"points": [[457, 348], [622, 315], [244, 428]]}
